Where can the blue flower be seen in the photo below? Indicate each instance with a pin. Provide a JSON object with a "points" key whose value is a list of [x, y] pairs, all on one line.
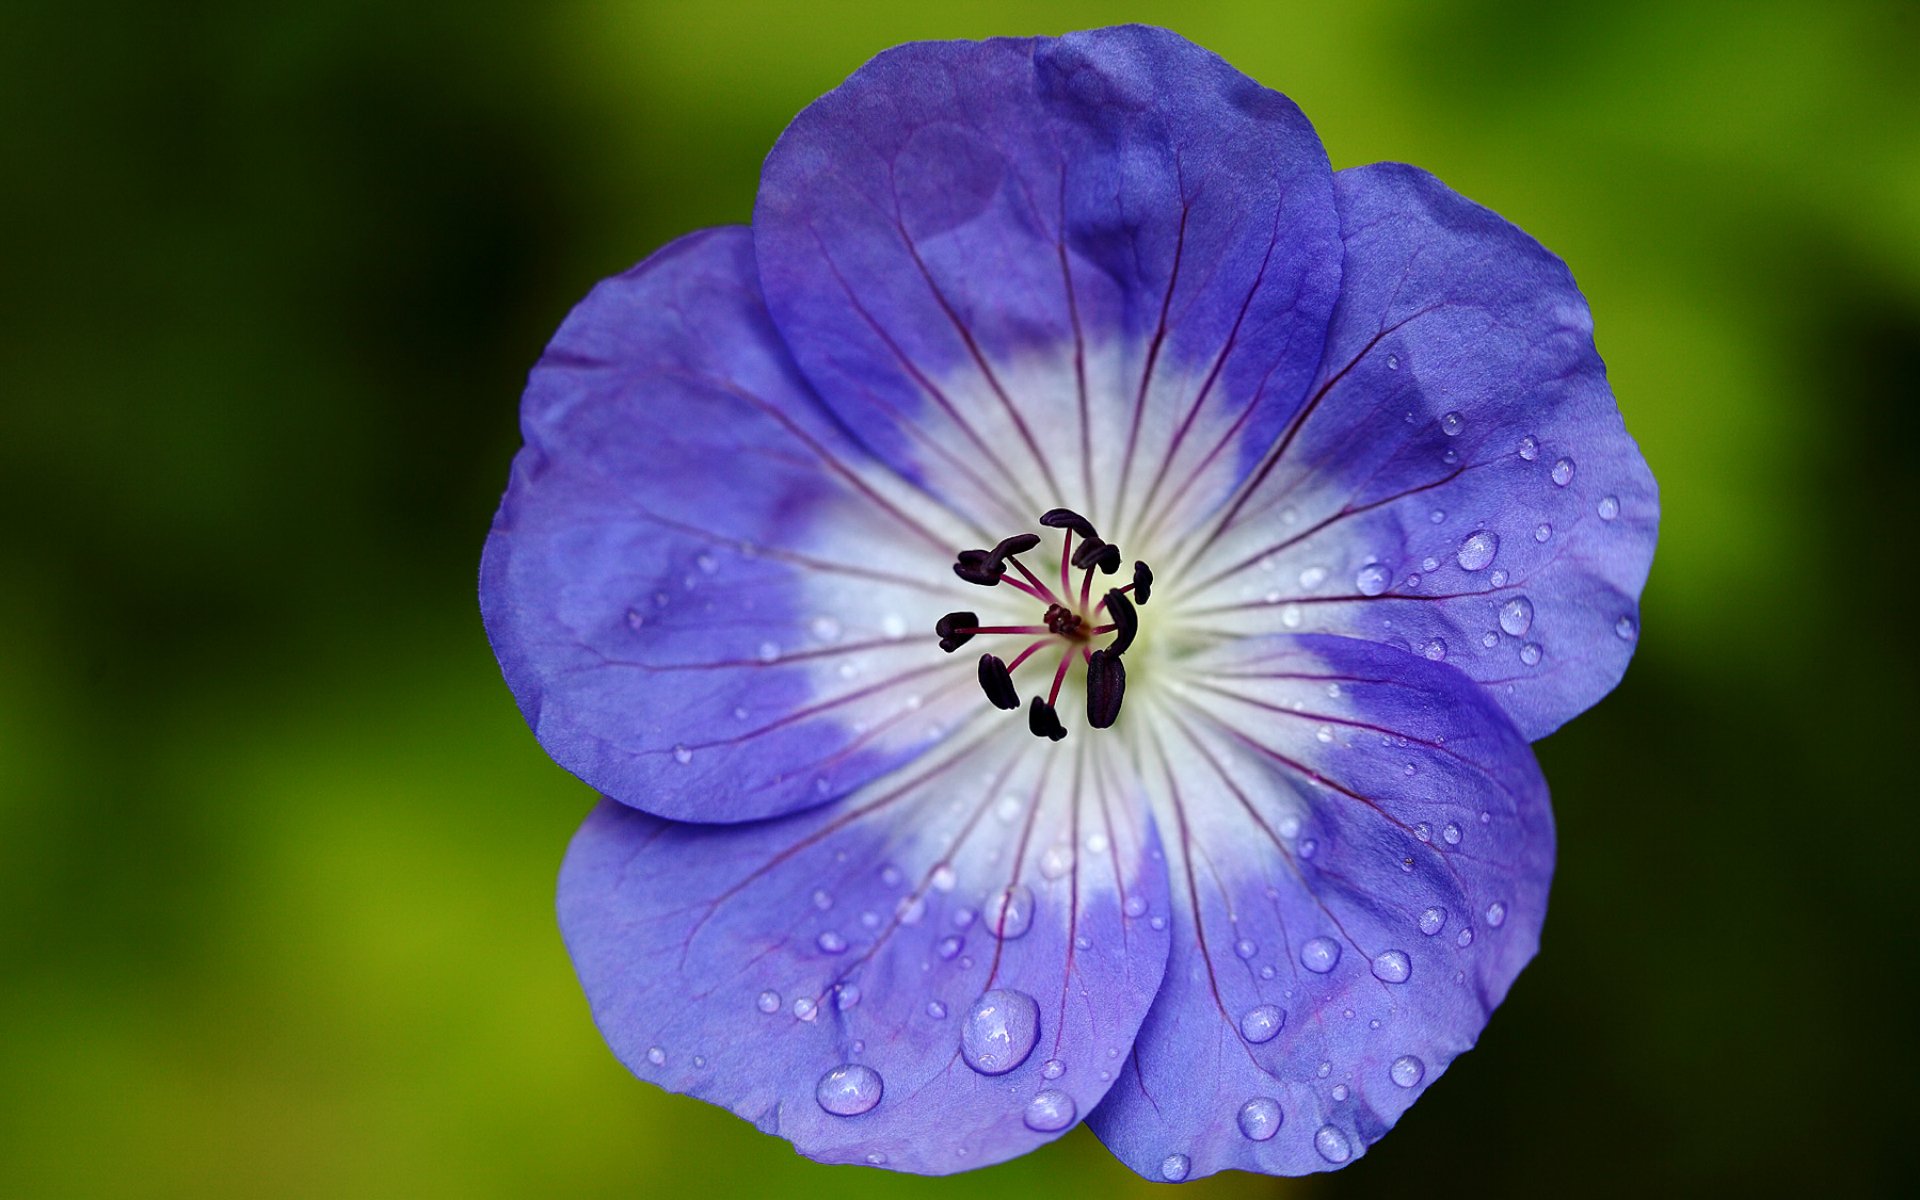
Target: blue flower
{"points": [[1064, 375]]}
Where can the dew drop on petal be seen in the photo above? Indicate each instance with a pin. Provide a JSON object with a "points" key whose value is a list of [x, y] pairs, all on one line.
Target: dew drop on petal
{"points": [[1136, 906], [1407, 1070], [682, 755], [949, 947], [1496, 914], [1452, 424], [1313, 577], [1529, 448], [1332, 1144], [769, 651], [936, 1010], [1291, 616], [1320, 955], [822, 900], [1429, 563], [1450, 834], [1623, 629], [824, 629], [1435, 650], [1609, 507], [656, 1055], [1053, 1069], [1263, 1023], [768, 1002], [1516, 615], [1436, 516], [804, 1008], [893, 625], [1530, 654], [1260, 1118], [1050, 1111], [831, 943], [1393, 362], [847, 996], [1432, 920], [943, 878], [1489, 639], [1477, 550], [1372, 579], [999, 1031], [1057, 861], [1174, 1167], [1542, 532], [1340, 1092], [1563, 472], [1245, 948], [1423, 831], [1392, 966], [849, 1090], [1012, 912], [1465, 937]]}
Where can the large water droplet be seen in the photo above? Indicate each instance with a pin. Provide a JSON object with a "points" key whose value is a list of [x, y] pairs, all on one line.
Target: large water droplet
{"points": [[1516, 615], [1000, 1031], [1320, 955], [1372, 579], [849, 1090], [1563, 472], [1407, 1070], [1332, 1144], [1174, 1167], [1609, 507], [1432, 920], [1263, 1023], [1392, 966], [1260, 1118], [1477, 550], [1011, 913], [1050, 1111], [1452, 424], [768, 1002]]}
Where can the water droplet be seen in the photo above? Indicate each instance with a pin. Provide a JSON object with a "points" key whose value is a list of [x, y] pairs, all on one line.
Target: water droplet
{"points": [[1489, 639], [1332, 1144], [1530, 654], [1542, 532], [1407, 1070], [1260, 1118], [822, 900], [1340, 1091], [1008, 809], [1392, 966], [1320, 955], [1609, 507], [635, 618], [1498, 578], [1393, 362], [1450, 834], [1326, 1069], [769, 651], [1263, 1023], [1516, 615], [1624, 629], [1465, 937], [943, 878], [1097, 843], [1266, 972], [1429, 563], [1308, 847], [1477, 550], [682, 755], [1496, 914], [1245, 948], [1436, 516], [1136, 906], [1324, 734], [849, 1090], [893, 625], [804, 1008], [846, 996], [824, 629], [1157, 921], [1423, 831], [1053, 1068], [1313, 577], [1012, 912], [1372, 579], [768, 1002], [1174, 1167], [656, 1055], [1000, 1031], [1435, 650], [1563, 472], [1451, 456], [876, 1159], [1050, 1111], [1452, 424], [1529, 448], [936, 1010], [1290, 616], [949, 946], [831, 943], [1433, 920], [739, 712]]}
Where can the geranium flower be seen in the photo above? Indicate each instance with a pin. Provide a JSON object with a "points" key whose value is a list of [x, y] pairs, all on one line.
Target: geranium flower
{"points": [[1057, 610]]}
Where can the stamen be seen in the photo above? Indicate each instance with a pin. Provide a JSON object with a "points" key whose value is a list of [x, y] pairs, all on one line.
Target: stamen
{"points": [[1066, 518], [1106, 684], [979, 567], [1043, 721], [1019, 543], [997, 682], [1142, 582], [1094, 552], [956, 629], [1125, 619]]}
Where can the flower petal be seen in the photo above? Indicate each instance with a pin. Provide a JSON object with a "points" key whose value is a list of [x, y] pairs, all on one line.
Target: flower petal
{"points": [[1460, 482], [1360, 846], [700, 591], [942, 973], [1093, 270]]}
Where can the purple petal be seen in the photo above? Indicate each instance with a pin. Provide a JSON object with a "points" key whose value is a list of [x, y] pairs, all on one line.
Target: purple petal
{"points": [[942, 973], [1460, 484], [1360, 846], [708, 602], [1093, 271]]}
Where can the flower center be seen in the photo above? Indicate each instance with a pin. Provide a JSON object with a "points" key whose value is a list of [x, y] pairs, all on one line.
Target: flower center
{"points": [[1069, 623]]}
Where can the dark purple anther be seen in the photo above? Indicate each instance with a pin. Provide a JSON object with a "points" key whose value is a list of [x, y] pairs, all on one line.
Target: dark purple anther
{"points": [[955, 629], [997, 683], [1043, 721], [1142, 582], [1106, 684]]}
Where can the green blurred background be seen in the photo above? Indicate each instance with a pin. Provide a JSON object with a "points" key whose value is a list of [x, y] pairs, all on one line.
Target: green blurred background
{"points": [[276, 852]]}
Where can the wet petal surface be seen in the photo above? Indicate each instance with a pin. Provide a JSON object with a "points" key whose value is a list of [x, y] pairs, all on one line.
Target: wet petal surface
{"points": [[1459, 482], [1359, 847], [708, 601], [943, 972], [1093, 270]]}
